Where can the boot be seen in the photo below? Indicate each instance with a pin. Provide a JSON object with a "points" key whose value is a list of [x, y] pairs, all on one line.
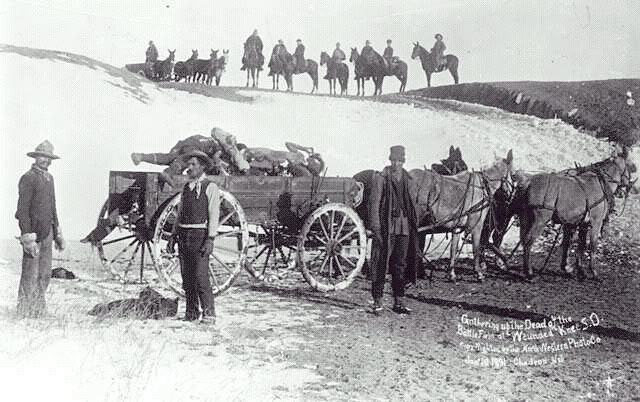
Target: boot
{"points": [[399, 307], [377, 306]]}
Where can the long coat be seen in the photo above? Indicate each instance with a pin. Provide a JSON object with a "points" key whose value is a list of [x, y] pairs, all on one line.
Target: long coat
{"points": [[380, 219]]}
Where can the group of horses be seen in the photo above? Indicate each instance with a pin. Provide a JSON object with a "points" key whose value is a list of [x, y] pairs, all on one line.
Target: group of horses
{"points": [[202, 70], [191, 70], [373, 67], [481, 204]]}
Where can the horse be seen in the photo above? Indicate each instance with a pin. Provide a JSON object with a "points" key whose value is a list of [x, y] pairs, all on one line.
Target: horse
{"points": [[428, 61], [201, 67], [253, 64], [185, 69], [580, 198], [216, 69], [364, 70], [453, 165], [335, 70], [163, 69], [461, 203], [282, 64], [310, 68], [399, 69]]}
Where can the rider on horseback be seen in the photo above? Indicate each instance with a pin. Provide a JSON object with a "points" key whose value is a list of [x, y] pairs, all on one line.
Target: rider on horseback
{"points": [[279, 51], [438, 51], [151, 53], [253, 42], [338, 55], [298, 55], [388, 55]]}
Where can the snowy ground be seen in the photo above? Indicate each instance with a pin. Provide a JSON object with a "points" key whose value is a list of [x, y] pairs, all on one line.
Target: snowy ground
{"points": [[268, 343], [95, 119]]}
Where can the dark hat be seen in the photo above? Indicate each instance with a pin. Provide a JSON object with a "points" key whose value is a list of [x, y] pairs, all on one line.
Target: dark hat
{"points": [[45, 148], [397, 153], [437, 36], [337, 43], [298, 40], [201, 156], [388, 40], [367, 42]]}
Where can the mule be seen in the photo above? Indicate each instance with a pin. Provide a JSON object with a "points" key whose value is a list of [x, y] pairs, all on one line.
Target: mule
{"points": [[364, 70], [428, 61], [216, 69], [579, 199], [185, 69], [163, 69], [461, 203], [335, 71], [253, 64], [453, 165], [202, 66]]}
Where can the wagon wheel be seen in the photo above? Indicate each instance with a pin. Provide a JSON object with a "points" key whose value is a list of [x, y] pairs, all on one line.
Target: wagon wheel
{"points": [[271, 254], [332, 247], [124, 248], [230, 245]]}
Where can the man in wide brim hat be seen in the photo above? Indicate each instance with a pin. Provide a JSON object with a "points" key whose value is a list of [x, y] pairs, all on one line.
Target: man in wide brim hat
{"points": [[39, 228], [201, 156], [438, 36], [44, 149]]}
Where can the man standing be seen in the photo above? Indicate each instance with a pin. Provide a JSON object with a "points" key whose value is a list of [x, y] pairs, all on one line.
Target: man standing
{"points": [[151, 53], [39, 227], [301, 63], [438, 50], [195, 229], [394, 225]]}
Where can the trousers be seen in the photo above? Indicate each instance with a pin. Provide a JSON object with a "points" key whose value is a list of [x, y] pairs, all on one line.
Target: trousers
{"points": [[398, 250], [194, 268], [34, 280]]}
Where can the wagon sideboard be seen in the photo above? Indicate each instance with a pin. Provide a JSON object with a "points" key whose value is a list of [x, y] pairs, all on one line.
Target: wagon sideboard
{"points": [[260, 196]]}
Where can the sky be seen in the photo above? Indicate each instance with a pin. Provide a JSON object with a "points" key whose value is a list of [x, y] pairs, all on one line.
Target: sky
{"points": [[495, 40]]}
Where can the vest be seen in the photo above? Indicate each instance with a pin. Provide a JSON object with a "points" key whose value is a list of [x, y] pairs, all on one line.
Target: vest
{"points": [[195, 210]]}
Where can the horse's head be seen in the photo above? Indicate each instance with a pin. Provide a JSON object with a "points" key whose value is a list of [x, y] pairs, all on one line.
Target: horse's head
{"points": [[194, 54], [172, 55], [213, 55], [618, 171], [417, 50], [222, 61], [499, 175], [324, 57], [354, 55]]}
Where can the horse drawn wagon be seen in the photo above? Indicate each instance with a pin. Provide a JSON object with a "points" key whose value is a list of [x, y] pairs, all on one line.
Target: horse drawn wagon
{"points": [[267, 224]]}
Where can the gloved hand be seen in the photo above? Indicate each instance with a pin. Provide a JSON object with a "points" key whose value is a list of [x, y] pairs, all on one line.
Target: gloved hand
{"points": [[29, 244], [171, 245], [60, 244], [207, 247]]}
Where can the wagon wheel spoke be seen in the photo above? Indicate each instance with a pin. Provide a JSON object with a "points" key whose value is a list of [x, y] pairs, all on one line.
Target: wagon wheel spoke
{"points": [[106, 243], [316, 237], [228, 234], [333, 216], [324, 263], [324, 230], [131, 259], [343, 238], [124, 250], [259, 254], [347, 260], [224, 265], [344, 220], [226, 218], [339, 266]]}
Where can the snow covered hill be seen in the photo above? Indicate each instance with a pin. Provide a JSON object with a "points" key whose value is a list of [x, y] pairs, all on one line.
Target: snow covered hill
{"points": [[96, 115]]}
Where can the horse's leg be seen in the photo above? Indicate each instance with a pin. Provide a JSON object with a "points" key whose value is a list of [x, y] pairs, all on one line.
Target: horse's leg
{"points": [[476, 244], [428, 74], [454, 74], [594, 235], [567, 236], [537, 221], [248, 69], [453, 254], [582, 242], [256, 82]]}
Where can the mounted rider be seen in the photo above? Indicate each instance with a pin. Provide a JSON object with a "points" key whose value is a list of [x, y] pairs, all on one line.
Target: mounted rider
{"points": [[280, 52], [388, 55], [438, 51], [338, 55], [298, 55], [253, 42], [367, 52]]}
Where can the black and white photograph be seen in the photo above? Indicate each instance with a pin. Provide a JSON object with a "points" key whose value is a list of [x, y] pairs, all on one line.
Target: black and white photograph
{"points": [[279, 200]]}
